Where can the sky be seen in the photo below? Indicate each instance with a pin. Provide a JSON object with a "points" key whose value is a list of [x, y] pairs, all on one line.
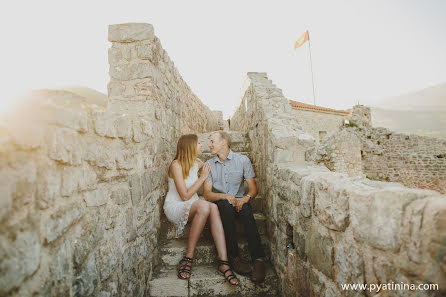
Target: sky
{"points": [[361, 51]]}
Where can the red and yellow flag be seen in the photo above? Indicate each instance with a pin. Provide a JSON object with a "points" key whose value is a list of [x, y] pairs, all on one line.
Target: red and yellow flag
{"points": [[302, 39]]}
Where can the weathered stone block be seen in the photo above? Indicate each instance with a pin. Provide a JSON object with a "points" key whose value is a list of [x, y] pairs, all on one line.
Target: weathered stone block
{"points": [[63, 145], [25, 177], [130, 32], [64, 264], [6, 190], [104, 124], [299, 244], [130, 225], [100, 155], [132, 285], [306, 202], [115, 88], [18, 260], [109, 258], [60, 221], [331, 201], [146, 227], [144, 50], [127, 72], [434, 228], [350, 266], [120, 53], [385, 270], [48, 185], [123, 126], [129, 257], [76, 179], [376, 216], [96, 197], [120, 195], [112, 125], [144, 87], [166, 283], [319, 249], [112, 217], [282, 251], [147, 182], [135, 188], [125, 159], [66, 116], [86, 281], [413, 222], [26, 136]]}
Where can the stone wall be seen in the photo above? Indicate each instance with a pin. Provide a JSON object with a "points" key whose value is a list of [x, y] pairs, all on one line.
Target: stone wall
{"points": [[415, 161], [144, 78], [318, 124], [222, 124], [82, 185], [355, 231], [329, 229], [339, 152], [274, 131]]}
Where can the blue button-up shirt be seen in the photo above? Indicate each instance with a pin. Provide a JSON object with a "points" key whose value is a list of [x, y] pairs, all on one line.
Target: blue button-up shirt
{"points": [[227, 177]]}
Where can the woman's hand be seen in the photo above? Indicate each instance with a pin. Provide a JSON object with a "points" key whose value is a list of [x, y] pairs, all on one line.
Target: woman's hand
{"points": [[204, 173]]}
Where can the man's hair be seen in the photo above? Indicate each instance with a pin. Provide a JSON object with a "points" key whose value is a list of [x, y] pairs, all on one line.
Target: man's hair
{"points": [[224, 135]]}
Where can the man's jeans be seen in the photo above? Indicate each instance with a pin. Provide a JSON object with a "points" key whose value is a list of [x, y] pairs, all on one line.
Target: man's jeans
{"points": [[228, 214]]}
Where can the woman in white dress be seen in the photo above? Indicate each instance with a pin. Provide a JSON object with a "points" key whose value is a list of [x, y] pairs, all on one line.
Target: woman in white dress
{"points": [[182, 205]]}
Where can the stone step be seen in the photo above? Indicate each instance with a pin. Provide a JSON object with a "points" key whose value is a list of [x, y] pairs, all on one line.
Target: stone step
{"points": [[168, 229], [207, 281], [173, 250], [240, 141]]}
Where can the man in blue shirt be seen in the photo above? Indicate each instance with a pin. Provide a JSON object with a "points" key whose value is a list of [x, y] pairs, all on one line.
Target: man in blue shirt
{"points": [[224, 186]]}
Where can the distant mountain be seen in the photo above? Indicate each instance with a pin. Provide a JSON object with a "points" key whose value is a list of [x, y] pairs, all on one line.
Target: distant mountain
{"points": [[422, 112], [429, 98]]}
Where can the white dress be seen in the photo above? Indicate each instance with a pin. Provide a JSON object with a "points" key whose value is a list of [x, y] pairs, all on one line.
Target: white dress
{"points": [[175, 208]]}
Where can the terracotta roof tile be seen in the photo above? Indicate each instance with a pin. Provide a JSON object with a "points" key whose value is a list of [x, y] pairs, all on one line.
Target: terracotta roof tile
{"points": [[302, 105]]}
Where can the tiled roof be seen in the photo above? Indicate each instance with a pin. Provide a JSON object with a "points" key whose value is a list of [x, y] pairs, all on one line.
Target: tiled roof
{"points": [[304, 106]]}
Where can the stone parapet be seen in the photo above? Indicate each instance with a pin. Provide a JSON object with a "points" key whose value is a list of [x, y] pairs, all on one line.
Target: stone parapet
{"points": [[415, 161], [347, 230], [143, 79], [335, 228], [82, 185], [276, 136]]}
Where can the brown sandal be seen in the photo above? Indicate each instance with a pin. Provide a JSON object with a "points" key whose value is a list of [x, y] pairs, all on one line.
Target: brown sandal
{"points": [[185, 267], [229, 276]]}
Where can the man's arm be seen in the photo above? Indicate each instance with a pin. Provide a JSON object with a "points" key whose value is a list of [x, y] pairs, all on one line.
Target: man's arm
{"points": [[248, 174], [252, 188], [211, 196], [252, 191]]}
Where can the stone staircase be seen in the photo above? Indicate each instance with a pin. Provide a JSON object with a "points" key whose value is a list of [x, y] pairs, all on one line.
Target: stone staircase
{"points": [[205, 279]]}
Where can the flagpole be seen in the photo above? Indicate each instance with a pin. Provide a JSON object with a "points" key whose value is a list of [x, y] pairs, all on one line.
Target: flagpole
{"points": [[311, 67]]}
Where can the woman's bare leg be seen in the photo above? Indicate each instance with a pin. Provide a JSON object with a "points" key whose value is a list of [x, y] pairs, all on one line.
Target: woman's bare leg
{"points": [[219, 238], [198, 214], [217, 231]]}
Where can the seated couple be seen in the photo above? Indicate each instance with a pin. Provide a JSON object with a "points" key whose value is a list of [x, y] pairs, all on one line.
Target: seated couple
{"points": [[223, 178]]}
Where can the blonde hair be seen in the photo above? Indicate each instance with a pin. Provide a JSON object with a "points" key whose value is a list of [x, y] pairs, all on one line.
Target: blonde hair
{"points": [[224, 135], [187, 152]]}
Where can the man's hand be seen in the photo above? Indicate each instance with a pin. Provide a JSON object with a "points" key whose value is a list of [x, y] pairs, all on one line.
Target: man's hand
{"points": [[231, 199], [239, 203]]}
